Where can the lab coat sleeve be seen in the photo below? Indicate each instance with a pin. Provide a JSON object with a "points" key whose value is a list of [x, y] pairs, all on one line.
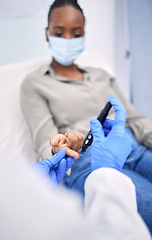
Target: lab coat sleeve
{"points": [[110, 205]]}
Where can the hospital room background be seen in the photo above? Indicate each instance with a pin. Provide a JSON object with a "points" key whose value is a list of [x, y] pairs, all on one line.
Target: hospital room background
{"points": [[118, 33]]}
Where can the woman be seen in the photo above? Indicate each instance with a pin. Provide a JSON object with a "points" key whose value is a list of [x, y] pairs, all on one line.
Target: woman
{"points": [[62, 97]]}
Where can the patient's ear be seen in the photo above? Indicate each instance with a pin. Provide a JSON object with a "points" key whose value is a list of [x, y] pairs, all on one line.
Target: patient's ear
{"points": [[46, 34]]}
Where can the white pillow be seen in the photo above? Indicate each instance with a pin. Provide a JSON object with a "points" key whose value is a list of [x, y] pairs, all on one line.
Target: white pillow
{"points": [[15, 141]]}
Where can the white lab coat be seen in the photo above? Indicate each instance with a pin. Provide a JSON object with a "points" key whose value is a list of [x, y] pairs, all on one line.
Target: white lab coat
{"points": [[110, 205], [32, 210]]}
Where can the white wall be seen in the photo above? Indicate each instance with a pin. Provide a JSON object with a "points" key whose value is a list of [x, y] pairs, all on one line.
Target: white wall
{"points": [[122, 47], [24, 38], [140, 31], [100, 28]]}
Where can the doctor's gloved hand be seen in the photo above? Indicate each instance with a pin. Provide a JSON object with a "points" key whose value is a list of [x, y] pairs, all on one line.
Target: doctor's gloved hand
{"points": [[54, 168], [111, 144]]}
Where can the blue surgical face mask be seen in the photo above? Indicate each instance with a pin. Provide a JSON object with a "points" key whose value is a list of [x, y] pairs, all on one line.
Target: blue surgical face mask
{"points": [[65, 51]]}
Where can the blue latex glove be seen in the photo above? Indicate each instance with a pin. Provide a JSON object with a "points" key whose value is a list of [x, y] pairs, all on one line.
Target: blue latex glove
{"points": [[107, 126], [110, 149], [55, 167]]}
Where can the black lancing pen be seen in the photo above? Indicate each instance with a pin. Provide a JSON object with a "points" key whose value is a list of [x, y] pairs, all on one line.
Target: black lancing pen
{"points": [[89, 138]]}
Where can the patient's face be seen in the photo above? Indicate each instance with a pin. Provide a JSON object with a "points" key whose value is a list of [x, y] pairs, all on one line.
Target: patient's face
{"points": [[66, 22]]}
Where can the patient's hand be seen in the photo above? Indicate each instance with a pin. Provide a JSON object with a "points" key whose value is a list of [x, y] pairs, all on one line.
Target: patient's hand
{"points": [[71, 141]]}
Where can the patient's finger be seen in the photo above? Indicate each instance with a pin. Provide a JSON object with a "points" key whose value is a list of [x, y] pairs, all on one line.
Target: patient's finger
{"points": [[75, 140], [55, 149], [69, 152], [72, 140], [72, 153], [58, 139], [80, 137], [61, 144]]}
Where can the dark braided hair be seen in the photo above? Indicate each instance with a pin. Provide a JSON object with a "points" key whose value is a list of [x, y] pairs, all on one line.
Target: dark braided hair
{"points": [[61, 3]]}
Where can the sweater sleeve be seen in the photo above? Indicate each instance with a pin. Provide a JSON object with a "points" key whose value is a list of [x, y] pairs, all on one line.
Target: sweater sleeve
{"points": [[39, 119], [110, 204], [139, 124]]}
